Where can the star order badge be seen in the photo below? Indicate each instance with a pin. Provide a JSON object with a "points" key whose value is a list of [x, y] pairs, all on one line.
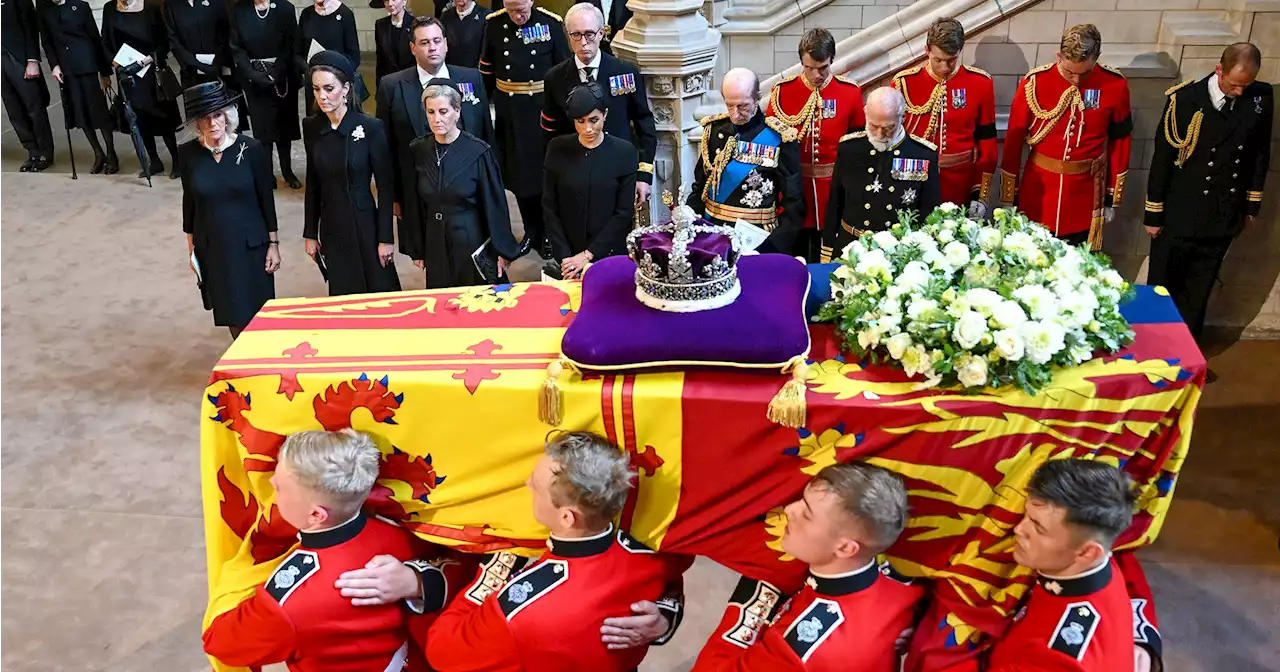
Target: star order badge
{"points": [[908, 196]]}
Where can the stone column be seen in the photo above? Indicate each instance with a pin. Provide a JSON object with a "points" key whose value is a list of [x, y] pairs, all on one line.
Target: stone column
{"points": [[673, 45]]}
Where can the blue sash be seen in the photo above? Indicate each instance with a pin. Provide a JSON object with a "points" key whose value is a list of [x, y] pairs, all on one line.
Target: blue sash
{"points": [[736, 171]]}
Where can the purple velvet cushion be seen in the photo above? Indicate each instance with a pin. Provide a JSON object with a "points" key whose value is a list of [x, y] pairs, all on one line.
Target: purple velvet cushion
{"points": [[764, 328]]}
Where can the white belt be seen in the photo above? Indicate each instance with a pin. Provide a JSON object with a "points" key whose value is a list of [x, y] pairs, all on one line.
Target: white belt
{"points": [[397, 661]]}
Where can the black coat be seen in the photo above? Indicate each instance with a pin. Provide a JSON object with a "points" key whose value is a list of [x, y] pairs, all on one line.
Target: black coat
{"points": [[867, 192], [270, 89], [461, 204], [199, 28], [1221, 181], [391, 46], [399, 106], [145, 31], [228, 208], [628, 105], [588, 197], [71, 38], [341, 211], [465, 36], [18, 34]]}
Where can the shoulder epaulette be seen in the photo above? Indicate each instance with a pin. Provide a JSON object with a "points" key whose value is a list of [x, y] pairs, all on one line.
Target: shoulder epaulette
{"points": [[711, 119], [908, 72], [1170, 91], [1111, 69], [854, 135], [784, 80], [978, 71], [632, 545], [551, 14], [1039, 69], [924, 142], [788, 134], [500, 12], [846, 80]]}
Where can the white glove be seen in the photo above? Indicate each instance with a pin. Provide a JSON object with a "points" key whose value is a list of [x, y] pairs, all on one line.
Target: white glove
{"points": [[977, 209], [1108, 214]]}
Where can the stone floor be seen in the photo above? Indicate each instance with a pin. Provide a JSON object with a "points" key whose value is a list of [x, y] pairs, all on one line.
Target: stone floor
{"points": [[105, 354]]}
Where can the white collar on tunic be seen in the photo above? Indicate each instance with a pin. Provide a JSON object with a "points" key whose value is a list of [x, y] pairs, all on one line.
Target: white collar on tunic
{"points": [[1216, 96], [595, 63], [425, 77], [463, 15]]}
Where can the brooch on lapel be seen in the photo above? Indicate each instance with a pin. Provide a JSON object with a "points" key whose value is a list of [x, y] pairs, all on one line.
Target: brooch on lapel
{"points": [[339, 17], [205, 3], [1257, 104], [357, 134], [240, 155]]}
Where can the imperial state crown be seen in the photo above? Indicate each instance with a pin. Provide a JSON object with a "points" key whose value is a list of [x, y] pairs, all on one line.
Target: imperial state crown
{"points": [[687, 265]]}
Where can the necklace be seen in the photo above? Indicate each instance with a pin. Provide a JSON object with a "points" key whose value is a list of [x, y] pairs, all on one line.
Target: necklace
{"points": [[439, 156], [263, 14]]}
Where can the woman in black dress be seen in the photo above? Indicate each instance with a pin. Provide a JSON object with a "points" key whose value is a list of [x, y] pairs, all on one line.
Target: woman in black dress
{"points": [[346, 230], [463, 22], [139, 24], [391, 37], [589, 191], [461, 201], [228, 209], [332, 25], [82, 69], [263, 37]]}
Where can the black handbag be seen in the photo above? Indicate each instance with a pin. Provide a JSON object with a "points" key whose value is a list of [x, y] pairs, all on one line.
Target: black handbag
{"points": [[167, 87]]}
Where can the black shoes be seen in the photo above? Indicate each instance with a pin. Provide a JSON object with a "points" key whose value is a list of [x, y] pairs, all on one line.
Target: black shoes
{"points": [[113, 165], [99, 164], [292, 180], [27, 165], [35, 164]]}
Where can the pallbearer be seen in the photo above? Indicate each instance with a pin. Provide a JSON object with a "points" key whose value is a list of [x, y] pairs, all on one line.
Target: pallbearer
{"points": [[953, 106], [821, 107], [1075, 116]]}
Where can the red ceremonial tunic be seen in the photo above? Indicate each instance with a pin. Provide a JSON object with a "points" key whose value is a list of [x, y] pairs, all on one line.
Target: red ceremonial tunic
{"points": [[845, 623], [820, 118], [959, 116], [547, 618], [1080, 138], [1082, 623], [299, 618]]}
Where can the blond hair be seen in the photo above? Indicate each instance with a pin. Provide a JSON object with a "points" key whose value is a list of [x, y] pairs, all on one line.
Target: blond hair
{"points": [[338, 467], [591, 473], [1081, 43]]}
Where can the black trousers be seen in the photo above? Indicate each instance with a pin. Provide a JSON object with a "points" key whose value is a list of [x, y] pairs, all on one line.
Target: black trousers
{"points": [[531, 212], [1075, 239], [1188, 267], [26, 102]]}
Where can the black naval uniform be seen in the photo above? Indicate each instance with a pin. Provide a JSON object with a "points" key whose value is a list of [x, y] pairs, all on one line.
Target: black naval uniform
{"points": [[25, 100], [465, 35], [391, 45], [870, 187], [1206, 176], [769, 196], [198, 28], [628, 105], [515, 61]]}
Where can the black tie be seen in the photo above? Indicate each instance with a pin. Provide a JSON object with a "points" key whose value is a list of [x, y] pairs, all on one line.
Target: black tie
{"points": [[591, 74]]}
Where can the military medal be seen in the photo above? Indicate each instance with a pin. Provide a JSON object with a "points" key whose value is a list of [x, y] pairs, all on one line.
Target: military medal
{"points": [[957, 99], [828, 109], [914, 170], [1092, 98], [468, 93], [622, 84]]}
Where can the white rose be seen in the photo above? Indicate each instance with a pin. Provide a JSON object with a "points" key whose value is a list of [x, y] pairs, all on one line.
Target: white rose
{"points": [[1067, 266], [897, 345], [1040, 302], [1021, 245], [957, 254], [913, 276], [983, 300], [853, 250], [873, 287], [989, 238], [935, 260], [919, 306], [948, 207], [889, 323], [946, 236], [885, 240], [1112, 278], [917, 238], [972, 371], [874, 264], [1042, 340], [844, 273], [916, 360], [1008, 314], [1009, 344], [868, 338], [969, 329]]}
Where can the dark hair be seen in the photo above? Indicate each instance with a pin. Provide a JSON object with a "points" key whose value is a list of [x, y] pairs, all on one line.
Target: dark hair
{"points": [[1241, 53], [1096, 496], [819, 44], [1081, 43], [339, 74], [424, 22], [946, 34], [585, 99], [872, 497]]}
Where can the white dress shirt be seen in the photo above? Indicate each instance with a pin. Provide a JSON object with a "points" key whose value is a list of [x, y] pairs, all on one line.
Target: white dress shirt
{"points": [[424, 77], [594, 64], [1216, 96]]}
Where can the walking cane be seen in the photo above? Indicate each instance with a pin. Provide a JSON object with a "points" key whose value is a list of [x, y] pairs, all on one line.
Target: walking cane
{"points": [[72, 151], [66, 125]]}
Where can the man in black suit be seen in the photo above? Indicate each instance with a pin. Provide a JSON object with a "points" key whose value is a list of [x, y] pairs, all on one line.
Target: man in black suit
{"points": [[629, 116], [1212, 151], [399, 105], [391, 39], [25, 94]]}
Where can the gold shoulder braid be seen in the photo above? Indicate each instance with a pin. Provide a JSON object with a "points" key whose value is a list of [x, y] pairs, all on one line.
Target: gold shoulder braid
{"points": [[715, 168], [801, 123], [1070, 100], [932, 106], [1185, 144], [788, 133]]}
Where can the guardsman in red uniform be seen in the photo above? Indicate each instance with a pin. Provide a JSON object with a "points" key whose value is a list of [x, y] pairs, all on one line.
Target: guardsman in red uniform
{"points": [[850, 612], [953, 106], [547, 617], [822, 108], [1075, 116], [298, 617], [1078, 615]]}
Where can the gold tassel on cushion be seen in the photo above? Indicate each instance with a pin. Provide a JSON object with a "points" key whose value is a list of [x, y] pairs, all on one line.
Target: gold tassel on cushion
{"points": [[551, 399], [788, 408]]}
